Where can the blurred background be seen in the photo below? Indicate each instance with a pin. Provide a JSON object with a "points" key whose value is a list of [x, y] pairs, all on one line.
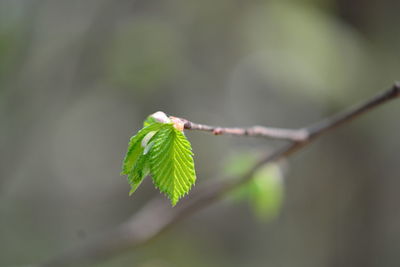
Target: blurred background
{"points": [[77, 79]]}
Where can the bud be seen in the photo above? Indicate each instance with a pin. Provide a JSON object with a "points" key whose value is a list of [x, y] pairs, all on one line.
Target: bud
{"points": [[178, 123], [160, 117]]}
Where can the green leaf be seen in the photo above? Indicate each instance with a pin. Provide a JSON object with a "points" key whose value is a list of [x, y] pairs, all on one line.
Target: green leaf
{"points": [[150, 120], [171, 163], [135, 148], [237, 165], [265, 192], [138, 173]]}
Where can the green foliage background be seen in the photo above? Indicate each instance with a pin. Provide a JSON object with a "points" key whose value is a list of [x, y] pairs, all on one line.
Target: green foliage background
{"points": [[77, 78]]}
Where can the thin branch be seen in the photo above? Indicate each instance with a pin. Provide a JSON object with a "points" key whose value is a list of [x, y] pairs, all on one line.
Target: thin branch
{"points": [[157, 216], [254, 131], [345, 117]]}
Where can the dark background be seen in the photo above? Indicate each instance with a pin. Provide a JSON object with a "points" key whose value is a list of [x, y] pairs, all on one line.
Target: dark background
{"points": [[77, 78]]}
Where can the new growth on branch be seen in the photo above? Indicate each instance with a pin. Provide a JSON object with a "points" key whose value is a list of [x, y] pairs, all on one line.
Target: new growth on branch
{"points": [[155, 217]]}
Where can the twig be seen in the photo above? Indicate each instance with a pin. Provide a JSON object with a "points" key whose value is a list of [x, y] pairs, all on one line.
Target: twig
{"points": [[254, 131], [157, 217]]}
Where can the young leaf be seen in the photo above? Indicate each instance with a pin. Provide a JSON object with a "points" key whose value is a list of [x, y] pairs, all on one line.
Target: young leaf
{"points": [[162, 150], [265, 192], [150, 120], [171, 163], [138, 173], [141, 168], [135, 148]]}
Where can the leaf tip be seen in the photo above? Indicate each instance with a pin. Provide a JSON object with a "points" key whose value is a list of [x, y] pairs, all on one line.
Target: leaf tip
{"points": [[174, 201], [131, 191]]}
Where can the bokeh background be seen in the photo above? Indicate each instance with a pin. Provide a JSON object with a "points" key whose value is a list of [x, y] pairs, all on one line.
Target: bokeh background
{"points": [[77, 78]]}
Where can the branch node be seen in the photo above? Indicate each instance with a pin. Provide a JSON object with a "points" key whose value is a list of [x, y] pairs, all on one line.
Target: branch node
{"points": [[187, 125], [218, 131]]}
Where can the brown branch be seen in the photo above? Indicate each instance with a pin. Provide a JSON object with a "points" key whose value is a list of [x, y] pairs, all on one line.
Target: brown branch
{"points": [[254, 131], [157, 216]]}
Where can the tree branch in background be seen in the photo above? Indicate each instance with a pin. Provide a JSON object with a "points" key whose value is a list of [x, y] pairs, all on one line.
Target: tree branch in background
{"points": [[156, 217]]}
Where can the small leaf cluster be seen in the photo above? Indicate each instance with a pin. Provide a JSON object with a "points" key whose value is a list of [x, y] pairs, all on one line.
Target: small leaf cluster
{"points": [[163, 151]]}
